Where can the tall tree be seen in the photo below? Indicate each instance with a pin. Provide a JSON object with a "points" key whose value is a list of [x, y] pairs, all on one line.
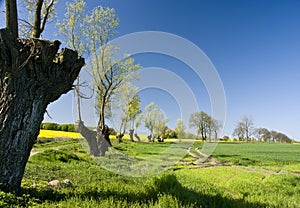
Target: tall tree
{"points": [[202, 122], [179, 129], [263, 134], [214, 128], [239, 131], [244, 129], [71, 28], [155, 121], [109, 73], [126, 104], [32, 75], [133, 112], [39, 13]]}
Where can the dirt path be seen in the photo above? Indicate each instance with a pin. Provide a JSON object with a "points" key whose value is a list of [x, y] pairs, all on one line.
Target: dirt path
{"points": [[204, 160]]}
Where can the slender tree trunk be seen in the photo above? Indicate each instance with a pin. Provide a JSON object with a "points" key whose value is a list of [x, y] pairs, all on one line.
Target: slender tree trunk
{"points": [[137, 137], [78, 98], [101, 121], [12, 17], [131, 131], [32, 75], [37, 19]]}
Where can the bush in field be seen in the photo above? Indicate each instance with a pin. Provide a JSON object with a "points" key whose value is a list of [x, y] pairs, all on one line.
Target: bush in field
{"points": [[225, 138]]}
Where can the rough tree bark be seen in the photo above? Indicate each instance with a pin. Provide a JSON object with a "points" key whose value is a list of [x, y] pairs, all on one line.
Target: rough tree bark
{"points": [[32, 74], [98, 141], [12, 17], [90, 137]]}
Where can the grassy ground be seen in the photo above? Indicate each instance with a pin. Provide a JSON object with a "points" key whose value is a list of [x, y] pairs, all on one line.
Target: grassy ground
{"points": [[251, 175]]}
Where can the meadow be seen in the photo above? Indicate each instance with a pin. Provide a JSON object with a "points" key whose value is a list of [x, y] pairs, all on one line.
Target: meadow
{"points": [[246, 175]]}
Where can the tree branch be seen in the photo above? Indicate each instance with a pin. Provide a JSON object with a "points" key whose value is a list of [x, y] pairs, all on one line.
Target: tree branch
{"points": [[46, 16]]}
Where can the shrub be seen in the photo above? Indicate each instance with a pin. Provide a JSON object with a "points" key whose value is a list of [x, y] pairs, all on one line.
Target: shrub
{"points": [[50, 126]]}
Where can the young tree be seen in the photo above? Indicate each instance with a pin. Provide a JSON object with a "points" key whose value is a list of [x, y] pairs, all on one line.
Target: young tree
{"points": [[155, 121], [138, 121], [179, 129], [39, 13], [128, 103], [32, 75], [133, 112], [161, 129]]}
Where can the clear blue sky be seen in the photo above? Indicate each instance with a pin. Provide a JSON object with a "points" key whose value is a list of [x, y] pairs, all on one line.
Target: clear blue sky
{"points": [[254, 45]]}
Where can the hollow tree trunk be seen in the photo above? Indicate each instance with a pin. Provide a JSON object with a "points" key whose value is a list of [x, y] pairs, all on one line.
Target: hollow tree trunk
{"points": [[32, 74], [90, 137], [103, 140], [98, 141]]}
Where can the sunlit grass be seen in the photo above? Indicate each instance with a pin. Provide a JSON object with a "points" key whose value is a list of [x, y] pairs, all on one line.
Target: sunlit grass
{"points": [[247, 179]]}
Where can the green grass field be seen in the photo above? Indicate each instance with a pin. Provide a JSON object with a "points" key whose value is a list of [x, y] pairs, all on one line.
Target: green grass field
{"points": [[249, 175]]}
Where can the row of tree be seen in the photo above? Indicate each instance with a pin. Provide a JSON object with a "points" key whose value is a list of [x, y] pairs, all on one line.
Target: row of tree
{"points": [[245, 131]]}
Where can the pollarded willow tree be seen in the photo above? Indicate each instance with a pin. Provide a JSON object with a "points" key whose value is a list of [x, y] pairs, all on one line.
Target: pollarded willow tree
{"points": [[109, 73], [155, 121], [32, 75], [127, 108]]}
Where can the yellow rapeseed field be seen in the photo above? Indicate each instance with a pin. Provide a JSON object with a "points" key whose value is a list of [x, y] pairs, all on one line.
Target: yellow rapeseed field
{"points": [[58, 134]]}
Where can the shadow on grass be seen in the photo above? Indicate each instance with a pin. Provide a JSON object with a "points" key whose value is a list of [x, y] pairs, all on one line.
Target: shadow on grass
{"points": [[166, 185]]}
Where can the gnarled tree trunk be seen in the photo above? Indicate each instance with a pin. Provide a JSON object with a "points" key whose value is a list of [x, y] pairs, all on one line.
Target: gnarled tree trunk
{"points": [[90, 137], [98, 141], [32, 74]]}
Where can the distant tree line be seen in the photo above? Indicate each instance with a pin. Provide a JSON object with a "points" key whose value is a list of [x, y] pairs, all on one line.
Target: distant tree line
{"points": [[58, 127], [245, 131]]}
